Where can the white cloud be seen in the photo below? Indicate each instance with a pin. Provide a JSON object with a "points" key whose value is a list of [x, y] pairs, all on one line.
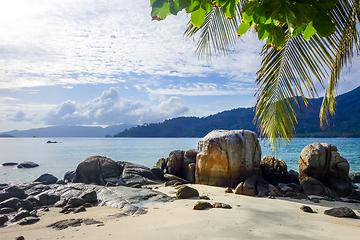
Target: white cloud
{"points": [[108, 109], [71, 42]]}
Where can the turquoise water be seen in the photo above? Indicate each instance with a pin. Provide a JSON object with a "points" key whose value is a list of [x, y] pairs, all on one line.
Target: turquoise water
{"points": [[66, 155]]}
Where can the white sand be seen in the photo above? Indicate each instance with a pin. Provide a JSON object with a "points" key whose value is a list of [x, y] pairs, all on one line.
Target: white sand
{"points": [[250, 218]]}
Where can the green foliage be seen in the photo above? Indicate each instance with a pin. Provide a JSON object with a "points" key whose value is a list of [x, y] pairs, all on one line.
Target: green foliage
{"points": [[270, 18]]}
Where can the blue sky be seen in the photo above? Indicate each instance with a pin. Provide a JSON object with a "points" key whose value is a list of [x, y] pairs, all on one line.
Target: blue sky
{"points": [[88, 62]]}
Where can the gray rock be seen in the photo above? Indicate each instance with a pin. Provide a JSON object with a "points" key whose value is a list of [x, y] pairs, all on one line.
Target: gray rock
{"points": [[137, 174], [3, 219], [15, 191], [354, 195], [27, 204], [76, 202], [63, 224], [341, 212], [61, 203], [249, 186], [29, 220], [11, 203], [89, 197], [185, 192], [201, 205], [27, 165], [4, 196], [95, 169], [6, 210], [129, 210], [9, 164], [338, 185], [69, 176], [262, 187], [354, 177], [158, 173], [171, 177], [46, 178], [21, 214]]}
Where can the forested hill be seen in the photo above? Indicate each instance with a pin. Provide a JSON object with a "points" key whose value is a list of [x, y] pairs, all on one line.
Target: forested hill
{"points": [[346, 122]]}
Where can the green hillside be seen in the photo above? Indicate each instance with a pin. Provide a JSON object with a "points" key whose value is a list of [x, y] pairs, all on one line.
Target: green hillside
{"points": [[344, 124]]}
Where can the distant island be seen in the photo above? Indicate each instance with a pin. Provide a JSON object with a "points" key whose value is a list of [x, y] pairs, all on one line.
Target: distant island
{"points": [[69, 131], [6, 135], [344, 124]]}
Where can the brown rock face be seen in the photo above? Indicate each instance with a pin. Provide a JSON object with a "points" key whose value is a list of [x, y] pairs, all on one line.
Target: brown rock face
{"points": [[273, 170], [226, 158], [95, 169], [322, 162]]}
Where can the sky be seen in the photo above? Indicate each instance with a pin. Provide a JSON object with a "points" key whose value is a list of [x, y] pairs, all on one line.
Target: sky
{"points": [[105, 62]]}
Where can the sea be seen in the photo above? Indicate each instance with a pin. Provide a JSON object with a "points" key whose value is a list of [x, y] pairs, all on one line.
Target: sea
{"points": [[67, 153]]}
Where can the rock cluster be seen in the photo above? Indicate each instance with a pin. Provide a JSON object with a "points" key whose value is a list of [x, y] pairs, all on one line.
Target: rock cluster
{"points": [[179, 163], [322, 171], [105, 171]]}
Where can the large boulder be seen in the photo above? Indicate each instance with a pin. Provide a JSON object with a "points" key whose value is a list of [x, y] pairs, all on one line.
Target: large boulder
{"points": [[322, 162], [133, 174], [273, 170], [226, 158], [96, 169]]}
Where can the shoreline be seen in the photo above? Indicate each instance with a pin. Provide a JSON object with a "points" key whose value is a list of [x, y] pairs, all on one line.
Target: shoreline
{"points": [[249, 218]]}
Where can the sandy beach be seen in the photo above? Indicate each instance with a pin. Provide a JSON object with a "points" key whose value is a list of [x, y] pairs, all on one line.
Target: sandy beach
{"points": [[249, 218]]}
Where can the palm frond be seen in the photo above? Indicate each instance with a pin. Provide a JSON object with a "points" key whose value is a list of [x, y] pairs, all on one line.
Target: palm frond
{"points": [[217, 33], [346, 16], [288, 73]]}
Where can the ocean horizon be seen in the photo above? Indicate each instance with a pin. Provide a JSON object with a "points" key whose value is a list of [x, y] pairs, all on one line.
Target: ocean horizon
{"points": [[58, 158]]}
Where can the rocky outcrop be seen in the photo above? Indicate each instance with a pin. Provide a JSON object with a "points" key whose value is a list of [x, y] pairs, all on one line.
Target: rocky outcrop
{"points": [[179, 163], [321, 161], [27, 165], [46, 178], [226, 158], [105, 171], [274, 170]]}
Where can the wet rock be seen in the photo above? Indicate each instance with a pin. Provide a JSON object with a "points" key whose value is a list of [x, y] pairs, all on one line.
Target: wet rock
{"points": [[201, 205], [29, 220], [27, 165], [341, 212], [186, 192], [46, 178], [9, 164], [306, 209]]}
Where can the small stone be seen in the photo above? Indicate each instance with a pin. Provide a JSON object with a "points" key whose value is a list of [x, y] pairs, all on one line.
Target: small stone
{"points": [[221, 205], [29, 220], [204, 197], [186, 192], [315, 200], [306, 209], [271, 197], [20, 238], [201, 205], [80, 209], [341, 212], [3, 219], [228, 190]]}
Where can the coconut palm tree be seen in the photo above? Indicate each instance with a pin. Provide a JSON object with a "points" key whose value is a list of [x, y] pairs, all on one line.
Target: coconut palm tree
{"points": [[287, 75]]}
